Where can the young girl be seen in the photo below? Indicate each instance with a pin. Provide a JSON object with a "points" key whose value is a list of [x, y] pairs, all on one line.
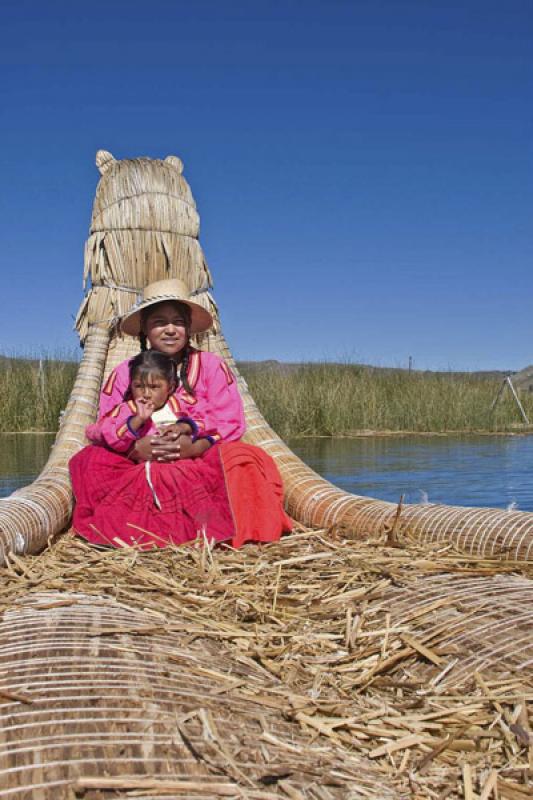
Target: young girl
{"points": [[151, 406]]}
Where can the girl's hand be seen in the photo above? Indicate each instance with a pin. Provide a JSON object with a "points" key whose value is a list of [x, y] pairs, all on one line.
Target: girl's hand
{"points": [[145, 409]]}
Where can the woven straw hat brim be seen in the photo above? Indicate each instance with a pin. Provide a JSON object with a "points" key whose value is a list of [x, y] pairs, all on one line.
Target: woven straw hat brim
{"points": [[201, 320]]}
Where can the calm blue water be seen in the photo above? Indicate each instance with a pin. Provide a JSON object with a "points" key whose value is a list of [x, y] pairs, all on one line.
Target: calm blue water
{"points": [[471, 470], [22, 456], [468, 471]]}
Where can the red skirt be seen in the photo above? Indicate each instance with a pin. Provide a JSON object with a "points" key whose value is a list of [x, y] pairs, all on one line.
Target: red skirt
{"points": [[232, 493]]}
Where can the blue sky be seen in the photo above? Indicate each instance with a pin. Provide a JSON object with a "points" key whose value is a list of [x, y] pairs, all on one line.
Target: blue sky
{"points": [[362, 169]]}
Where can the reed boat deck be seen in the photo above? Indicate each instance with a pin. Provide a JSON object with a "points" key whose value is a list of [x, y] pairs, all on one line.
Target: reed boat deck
{"points": [[317, 667]]}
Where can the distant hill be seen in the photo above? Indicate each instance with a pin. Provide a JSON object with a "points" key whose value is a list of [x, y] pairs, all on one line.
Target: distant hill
{"points": [[289, 366], [524, 379]]}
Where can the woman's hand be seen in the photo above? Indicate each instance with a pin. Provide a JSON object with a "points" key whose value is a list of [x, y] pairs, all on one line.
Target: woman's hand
{"points": [[190, 449], [182, 448], [162, 447], [178, 427], [167, 447]]}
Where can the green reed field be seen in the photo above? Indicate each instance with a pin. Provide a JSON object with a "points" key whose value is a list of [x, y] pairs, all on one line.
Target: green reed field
{"points": [[34, 393], [322, 399], [340, 399]]}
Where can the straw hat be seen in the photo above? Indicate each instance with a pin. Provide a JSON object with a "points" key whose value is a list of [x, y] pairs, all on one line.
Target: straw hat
{"points": [[160, 292]]}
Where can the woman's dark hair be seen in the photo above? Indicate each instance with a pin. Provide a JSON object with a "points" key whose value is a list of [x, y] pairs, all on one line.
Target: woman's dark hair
{"points": [[150, 362], [182, 358]]}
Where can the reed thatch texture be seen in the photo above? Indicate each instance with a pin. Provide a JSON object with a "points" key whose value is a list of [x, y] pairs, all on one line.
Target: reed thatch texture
{"points": [[144, 228], [320, 656], [101, 696]]}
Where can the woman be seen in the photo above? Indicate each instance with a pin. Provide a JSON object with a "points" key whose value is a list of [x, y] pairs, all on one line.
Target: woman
{"points": [[195, 478]]}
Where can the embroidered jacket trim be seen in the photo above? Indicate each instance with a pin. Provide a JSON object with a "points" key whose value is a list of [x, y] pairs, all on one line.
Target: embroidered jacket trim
{"points": [[193, 372], [174, 405], [227, 372], [108, 388]]}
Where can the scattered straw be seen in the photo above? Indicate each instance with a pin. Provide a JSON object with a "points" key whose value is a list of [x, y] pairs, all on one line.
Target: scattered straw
{"points": [[416, 660]]}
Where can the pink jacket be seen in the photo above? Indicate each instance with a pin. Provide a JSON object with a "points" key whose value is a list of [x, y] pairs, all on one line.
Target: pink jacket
{"points": [[215, 411], [113, 430]]}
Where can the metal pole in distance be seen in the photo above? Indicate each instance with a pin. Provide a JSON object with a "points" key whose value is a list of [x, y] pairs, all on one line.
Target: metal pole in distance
{"points": [[518, 403]]}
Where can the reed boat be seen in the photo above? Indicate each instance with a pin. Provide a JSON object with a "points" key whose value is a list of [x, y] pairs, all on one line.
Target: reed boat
{"points": [[378, 652]]}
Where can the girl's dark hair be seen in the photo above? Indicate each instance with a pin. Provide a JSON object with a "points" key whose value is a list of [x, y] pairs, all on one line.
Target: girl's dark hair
{"points": [[150, 362], [181, 360]]}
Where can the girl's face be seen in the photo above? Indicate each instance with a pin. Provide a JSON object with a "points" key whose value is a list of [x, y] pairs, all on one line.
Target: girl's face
{"points": [[153, 387], [166, 328]]}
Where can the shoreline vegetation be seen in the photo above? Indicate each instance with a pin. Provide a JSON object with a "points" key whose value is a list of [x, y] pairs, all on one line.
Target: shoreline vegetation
{"points": [[328, 399], [34, 392], [308, 399]]}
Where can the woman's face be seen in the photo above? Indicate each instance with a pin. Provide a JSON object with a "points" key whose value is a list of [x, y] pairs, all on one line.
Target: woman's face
{"points": [[166, 328]]}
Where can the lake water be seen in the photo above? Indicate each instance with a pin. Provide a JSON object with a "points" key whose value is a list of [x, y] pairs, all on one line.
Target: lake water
{"points": [[492, 471], [459, 470], [22, 456]]}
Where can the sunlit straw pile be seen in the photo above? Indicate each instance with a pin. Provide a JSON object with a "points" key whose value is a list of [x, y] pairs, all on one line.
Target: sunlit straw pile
{"points": [[317, 667]]}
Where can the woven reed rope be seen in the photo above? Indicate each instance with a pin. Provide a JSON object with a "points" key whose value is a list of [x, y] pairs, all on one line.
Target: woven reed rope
{"points": [[131, 705], [485, 622], [144, 228]]}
